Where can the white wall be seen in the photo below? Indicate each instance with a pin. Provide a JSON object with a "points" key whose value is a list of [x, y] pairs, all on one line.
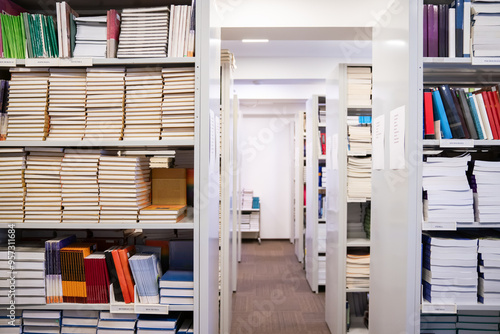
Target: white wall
{"points": [[267, 148]]}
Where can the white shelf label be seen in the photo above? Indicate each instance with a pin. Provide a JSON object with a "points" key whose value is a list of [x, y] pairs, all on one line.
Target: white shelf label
{"points": [[86, 62], [121, 308], [456, 143], [8, 62], [439, 308], [441, 226], [42, 62], [485, 61], [151, 309]]}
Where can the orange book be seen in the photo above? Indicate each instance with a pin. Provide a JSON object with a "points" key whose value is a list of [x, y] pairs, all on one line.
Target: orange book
{"points": [[121, 276], [125, 253]]}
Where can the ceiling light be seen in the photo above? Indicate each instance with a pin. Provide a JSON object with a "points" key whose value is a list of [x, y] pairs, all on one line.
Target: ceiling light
{"points": [[249, 40]]}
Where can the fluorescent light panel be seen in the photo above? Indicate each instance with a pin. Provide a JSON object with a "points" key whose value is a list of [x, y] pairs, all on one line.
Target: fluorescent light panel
{"points": [[255, 40]]}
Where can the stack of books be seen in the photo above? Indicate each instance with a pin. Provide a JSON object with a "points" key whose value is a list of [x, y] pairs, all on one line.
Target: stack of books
{"points": [[161, 162], [91, 33], [245, 222], [359, 177], [146, 271], [178, 103], [149, 323], [359, 87], [321, 269], [358, 271], [143, 100], [478, 321], [360, 140], [97, 280], [322, 180], [10, 325], [27, 104], [322, 114], [43, 203], [447, 194], [79, 321], [74, 286], [254, 221], [449, 273], [485, 28], [489, 270], [177, 287], [67, 92], [124, 187], [38, 321], [144, 32], [181, 31], [12, 186], [80, 190], [111, 323], [247, 199], [486, 175], [321, 238], [162, 214], [53, 276], [105, 102], [438, 323]]}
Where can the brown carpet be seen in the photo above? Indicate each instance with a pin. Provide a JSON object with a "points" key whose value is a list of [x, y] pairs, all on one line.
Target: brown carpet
{"points": [[273, 296]]}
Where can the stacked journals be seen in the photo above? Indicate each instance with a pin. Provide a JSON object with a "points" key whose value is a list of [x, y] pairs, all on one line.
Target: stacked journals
{"points": [[105, 102], [10, 323], [80, 190], [164, 214], [360, 139], [27, 108], [53, 277], [124, 186], [12, 186], [147, 324], [359, 177], [447, 195], [486, 175], [449, 273], [90, 37], [489, 270], [146, 271], [321, 238], [176, 287], [74, 286], [161, 162], [245, 222], [359, 87], [79, 321], [38, 321], [43, 203], [478, 321], [486, 28], [358, 271], [96, 278], [67, 91], [143, 100], [181, 36], [112, 323], [144, 32], [322, 178], [438, 323], [178, 103]]}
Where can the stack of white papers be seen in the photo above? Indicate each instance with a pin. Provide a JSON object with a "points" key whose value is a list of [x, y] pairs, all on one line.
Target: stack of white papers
{"points": [[91, 34], [360, 140], [359, 177], [359, 86], [485, 28], [79, 321], [12, 187], [247, 199], [487, 177], [489, 270], [112, 323], [358, 271], [38, 321]]}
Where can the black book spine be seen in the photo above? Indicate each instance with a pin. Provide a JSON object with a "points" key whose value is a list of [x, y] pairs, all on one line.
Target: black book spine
{"points": [[467, 113], [457, 130], [113, 277], [461, 115]]}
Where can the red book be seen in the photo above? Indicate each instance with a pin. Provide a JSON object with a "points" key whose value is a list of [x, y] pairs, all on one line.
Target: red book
{"points": [[121, 276], [125, 253], [495, 103], [428, 116], [112, 32], [491, 117]]}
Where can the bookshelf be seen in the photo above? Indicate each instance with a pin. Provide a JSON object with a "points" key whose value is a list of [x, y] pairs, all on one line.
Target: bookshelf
{"points": [[314, 242], [299, 186], [203, 225]]}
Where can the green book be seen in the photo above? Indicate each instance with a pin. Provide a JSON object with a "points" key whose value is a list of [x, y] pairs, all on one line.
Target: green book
{"points": [[53, 37], [29, 50]]}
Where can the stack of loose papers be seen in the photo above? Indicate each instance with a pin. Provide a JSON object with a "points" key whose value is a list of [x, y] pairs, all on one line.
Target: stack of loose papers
{"points": [[360, 140], [164, 214], [12, 187], [489, 270], [67, 89], [449, 197], [359, 87], [358, 271], [143, 100], [487, 176], [38, 321], [112, 323], [43, 202], [485, 28], [124, 187], [80, 190], [105, 101], [27, 106], [247, 199], [177, 287], [144, 32], [254, 221], [91, 33], [359, 177], [146, 272], [449, 273], [245, 222], [79, 321], [178, 103]]}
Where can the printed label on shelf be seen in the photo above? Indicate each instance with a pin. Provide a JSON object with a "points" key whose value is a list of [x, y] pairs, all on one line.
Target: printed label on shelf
{"points": [[453, 143], [151, 309], [485, 61], [75, 62], [42, 62], [441, 226], [439, 308], [356, 199], [122, 308], [8, 62]]}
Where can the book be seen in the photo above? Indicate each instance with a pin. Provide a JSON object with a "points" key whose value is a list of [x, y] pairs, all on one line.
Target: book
{"points": [[113, 275], [121, 276], [113, 32], [467, 113], [177, 279], [433, 30], [428, 115], [73, 271], [459, 27], [478, 123], [452, 114], [146, 271], [97, 280]]}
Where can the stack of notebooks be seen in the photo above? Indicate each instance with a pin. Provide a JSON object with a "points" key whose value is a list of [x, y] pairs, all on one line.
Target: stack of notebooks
{"points": [[184, 159], [53, 274], [360, 140], [245, 222], [162, 214], [143, 100], [67, 90], [27, 105], [438, 324], [178, 103], [39, 27], [487, 181], [12, 186], [449, 273], [146, 271], [29, 275], [96, 278], [247, 199], [43, 203], [359, 177], [10, 325], [478, 321], [358, 271], [161, 162], [144, 32], [125, 187], [38, 321], [105, 102], [177, 285], [112, 323], [359, 87], [485, 29], [166, 324], [322, 114], [447, 194], [489, 270], [91, 34], [80, 190], [181, 31], [79, 322], [73, 271]]}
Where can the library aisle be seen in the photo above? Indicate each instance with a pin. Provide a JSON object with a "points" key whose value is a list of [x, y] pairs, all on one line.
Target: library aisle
{"points": [[273, 295]]}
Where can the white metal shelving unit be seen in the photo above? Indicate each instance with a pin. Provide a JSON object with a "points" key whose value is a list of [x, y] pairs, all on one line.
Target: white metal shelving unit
{"points": [[299, 187], [204, 222]]}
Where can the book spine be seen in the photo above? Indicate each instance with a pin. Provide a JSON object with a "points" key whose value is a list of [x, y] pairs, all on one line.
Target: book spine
{"points": [[478, 97], [451, 32], [425, 13], [475, 116], [467, 25], [440, 114], [442, 46], [433, 19], [451, 112], [490, 108], [461, 114], [428, 116], [467, 113], [459, 28]]}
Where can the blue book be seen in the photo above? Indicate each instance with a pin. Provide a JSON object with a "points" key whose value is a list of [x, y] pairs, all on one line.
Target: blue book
{"points": [[154, 321], [459, 28], [440, 114], [180, 255], [475, 115], [451, 112], [180, 279]]}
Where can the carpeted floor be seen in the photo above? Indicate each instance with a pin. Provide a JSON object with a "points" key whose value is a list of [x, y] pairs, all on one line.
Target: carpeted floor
{"points": [[273, 296]]}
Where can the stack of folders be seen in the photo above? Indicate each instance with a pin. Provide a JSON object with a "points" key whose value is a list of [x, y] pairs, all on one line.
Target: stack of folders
{"points": [[112, 323], [359, 177], [358, 270], [38, 321], [28, 275], [144, 32], [182, 31], [43, 203], [247, 199], [96, 278], [67, 92], [165, 324], [487, 181], [447, 194], [178, 103], [186, 327], [449, 273], [10, 325], [438, 324], [143, 99], [146, 272], [79, 322], [12, 186], [125, 187], [184, 159], [27, 105], [360, 139], [105, 102], [53, 274], [164, 214], [177, 285], [489, 270], [91, 33], [485, 28], [359, 86], [478, 321], [73, 271]]}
